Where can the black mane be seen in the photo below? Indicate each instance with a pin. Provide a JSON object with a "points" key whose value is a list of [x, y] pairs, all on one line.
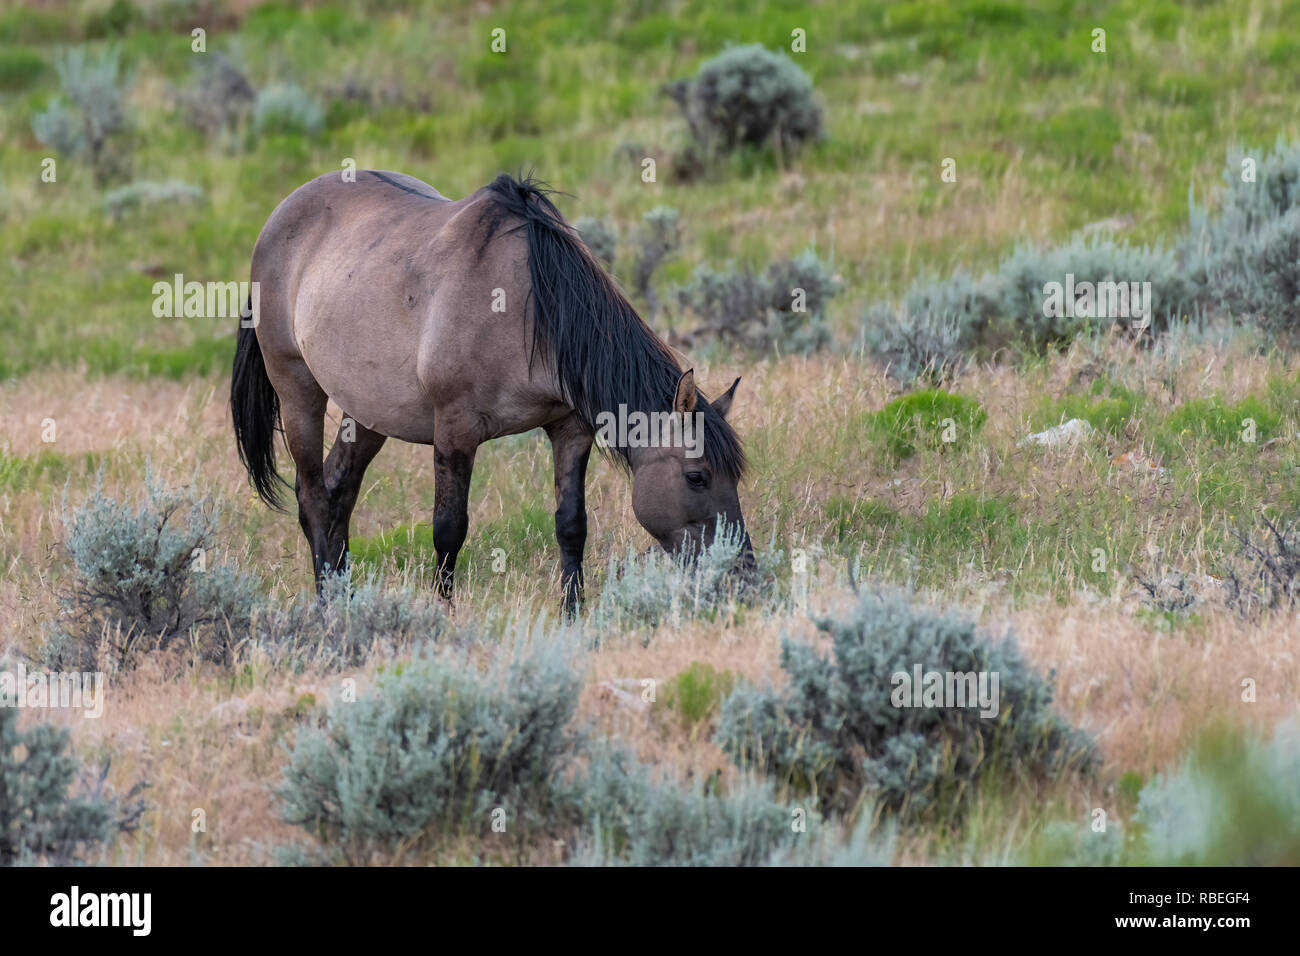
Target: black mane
{"points": [[601, 351]]}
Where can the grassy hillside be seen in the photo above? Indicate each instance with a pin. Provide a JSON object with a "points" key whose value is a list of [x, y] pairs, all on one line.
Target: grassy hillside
{"points": [[1048, 137]]}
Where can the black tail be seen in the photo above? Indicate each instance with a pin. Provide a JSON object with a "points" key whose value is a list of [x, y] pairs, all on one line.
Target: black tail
{"points": [[255, 408]]}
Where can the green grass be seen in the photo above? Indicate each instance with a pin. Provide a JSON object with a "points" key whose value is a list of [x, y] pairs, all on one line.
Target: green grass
{"points": [[48, 469], [1248, 422], [1107, 406], [694, 696], [929, 418], [522, 537], [1022, 96]]}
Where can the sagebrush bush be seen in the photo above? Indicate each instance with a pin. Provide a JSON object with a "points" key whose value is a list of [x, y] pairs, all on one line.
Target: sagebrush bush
{"points": [[645, 591], [1240, 261], [1242, 258], [433, 748], [801, 290], [1245, 207], [635, 819], [658, 237], [631, 816], [346, 625], [142, 579], [1018, 288], [601, 238], [42, 819], [1235, 801], [1072, 843], [938, 321], [783, 309], [835, 733], [88, 117], [286, 108], [729, 305], [219, 98], [1255, 275], [928, 333], [146, 192], [750, 96]]}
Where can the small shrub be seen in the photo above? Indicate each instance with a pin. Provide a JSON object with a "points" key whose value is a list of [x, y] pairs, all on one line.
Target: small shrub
{"points": [[1247, 206], [1255, 275], [141, 580], [729, 305], [1243, 257], [1071, 843], [1266, 574], [931, 329], [348, 624], [652, 589], [749, 96], [287, 109], [639, 821], [1242, 260], [87, 119], [937, 321], [601, 238], [836, 734], [1235, 801], [219, 98], [1021, 278], [41, 819], [784, 309], [432, 749], [922, 418], [657, 239], [20, 68], [146, 192], [801, 290]]}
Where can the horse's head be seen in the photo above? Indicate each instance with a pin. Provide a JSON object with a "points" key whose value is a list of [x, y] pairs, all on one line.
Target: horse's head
{"points": [[677, 495]]}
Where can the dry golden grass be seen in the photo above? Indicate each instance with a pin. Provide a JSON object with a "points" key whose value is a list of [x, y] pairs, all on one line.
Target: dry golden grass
{"points": [[207, 739]]}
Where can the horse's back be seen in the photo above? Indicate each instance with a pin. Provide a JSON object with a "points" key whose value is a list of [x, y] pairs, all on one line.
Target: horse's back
{"points": [[376, 285]]}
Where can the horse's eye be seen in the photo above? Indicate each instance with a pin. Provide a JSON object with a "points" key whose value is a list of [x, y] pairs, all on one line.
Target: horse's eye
{"points": [[696, 479]]}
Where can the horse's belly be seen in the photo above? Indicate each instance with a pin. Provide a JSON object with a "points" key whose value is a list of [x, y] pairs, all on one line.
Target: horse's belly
{"points": [[368, 372]]}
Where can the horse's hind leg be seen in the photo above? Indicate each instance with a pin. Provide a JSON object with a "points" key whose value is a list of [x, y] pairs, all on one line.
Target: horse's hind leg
{"points": [[302, 415], [354, 449]]}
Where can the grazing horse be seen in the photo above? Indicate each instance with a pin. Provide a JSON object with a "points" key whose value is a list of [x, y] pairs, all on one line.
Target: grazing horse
{"points": [[449, 323]]}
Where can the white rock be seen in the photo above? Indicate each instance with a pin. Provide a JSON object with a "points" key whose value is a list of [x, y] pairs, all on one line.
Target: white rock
{"points": [[1059, 435]]}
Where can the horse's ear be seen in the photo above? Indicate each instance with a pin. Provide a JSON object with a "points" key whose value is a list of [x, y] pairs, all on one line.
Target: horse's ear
{"points": [[684, 402], [722, 404]]}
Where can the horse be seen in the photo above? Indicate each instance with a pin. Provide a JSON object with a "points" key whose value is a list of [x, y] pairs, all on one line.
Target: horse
{"points": [[451, 323]]}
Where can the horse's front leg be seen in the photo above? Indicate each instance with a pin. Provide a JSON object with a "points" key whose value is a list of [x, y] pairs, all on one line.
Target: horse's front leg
{"points": [[452, 468], [571, 446]]}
